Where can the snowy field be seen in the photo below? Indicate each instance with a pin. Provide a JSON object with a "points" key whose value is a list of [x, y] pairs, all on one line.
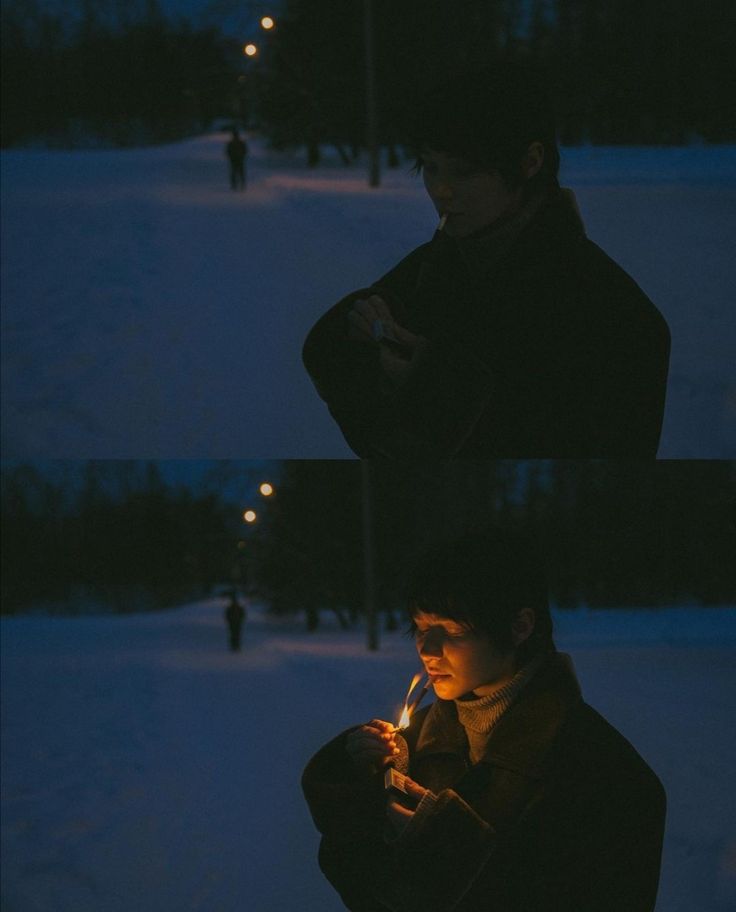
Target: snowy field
{"points": [[147, 769], [149, 311]]}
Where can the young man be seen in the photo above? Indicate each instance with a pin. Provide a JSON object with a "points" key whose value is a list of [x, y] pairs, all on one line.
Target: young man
{"points": [[519, 795], [510, 334]]}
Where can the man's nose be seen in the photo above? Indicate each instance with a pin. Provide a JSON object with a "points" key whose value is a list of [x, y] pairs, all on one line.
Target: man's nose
{"points": [[431, 645]]}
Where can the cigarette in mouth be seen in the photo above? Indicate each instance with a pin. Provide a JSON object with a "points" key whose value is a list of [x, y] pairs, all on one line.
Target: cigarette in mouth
{"points": [[420, 696], [443, 222]]}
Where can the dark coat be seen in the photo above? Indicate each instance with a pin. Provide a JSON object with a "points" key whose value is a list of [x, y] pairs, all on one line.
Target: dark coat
{"points": [[549, 351], [236, 150], [235, 614], [560, 814]]}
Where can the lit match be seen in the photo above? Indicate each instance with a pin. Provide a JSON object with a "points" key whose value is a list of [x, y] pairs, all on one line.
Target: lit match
{"points": [[411, 707], [394, 774]]}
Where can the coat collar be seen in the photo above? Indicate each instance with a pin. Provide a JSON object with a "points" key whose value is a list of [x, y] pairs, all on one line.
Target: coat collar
{"points": [[550, 215], [522, 738]]}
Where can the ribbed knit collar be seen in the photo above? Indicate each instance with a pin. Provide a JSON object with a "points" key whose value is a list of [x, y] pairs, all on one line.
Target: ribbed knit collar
{"points": [[481, 714]]}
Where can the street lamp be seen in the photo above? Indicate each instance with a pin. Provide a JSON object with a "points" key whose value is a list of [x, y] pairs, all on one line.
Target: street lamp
{"points": [[251, 51], [266, 489], [267, 23]]}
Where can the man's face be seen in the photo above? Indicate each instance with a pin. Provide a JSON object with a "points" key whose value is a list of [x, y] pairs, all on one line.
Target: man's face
{"points": [[472, 198], [459, 660]]}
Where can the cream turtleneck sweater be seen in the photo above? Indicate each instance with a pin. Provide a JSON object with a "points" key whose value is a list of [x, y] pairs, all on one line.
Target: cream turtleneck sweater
{"points": [[478, 715]]}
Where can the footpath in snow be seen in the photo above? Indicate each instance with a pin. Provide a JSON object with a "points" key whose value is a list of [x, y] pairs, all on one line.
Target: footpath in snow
{"points": [[149, 310], [146, 768]]}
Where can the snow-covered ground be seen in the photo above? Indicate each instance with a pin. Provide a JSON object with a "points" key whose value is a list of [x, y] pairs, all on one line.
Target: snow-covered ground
{"points": [[149, 311], [146, 768]]}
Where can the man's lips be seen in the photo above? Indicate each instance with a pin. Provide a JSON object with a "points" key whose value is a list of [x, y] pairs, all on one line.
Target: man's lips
{"points": [[437, 674]]}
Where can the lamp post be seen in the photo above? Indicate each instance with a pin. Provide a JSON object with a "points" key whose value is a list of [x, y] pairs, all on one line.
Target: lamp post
{"points": [[374, 175], [245, 564], [369, 587], [251, 51]]}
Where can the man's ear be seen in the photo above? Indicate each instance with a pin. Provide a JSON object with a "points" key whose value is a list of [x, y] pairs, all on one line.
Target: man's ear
{"points": [[523, 625], [533, 160]]}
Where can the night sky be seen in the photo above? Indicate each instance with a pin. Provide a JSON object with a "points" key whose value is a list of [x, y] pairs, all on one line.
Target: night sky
{"points": [[239, 19]]}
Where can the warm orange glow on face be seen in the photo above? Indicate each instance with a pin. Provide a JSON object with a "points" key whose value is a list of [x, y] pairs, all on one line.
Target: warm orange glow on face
{"points": [[267, 23], [405, 714], [250, 50], [249, 516], [266, 489]]}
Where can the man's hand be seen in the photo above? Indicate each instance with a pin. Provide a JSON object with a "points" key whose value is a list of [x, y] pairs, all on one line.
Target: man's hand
{"points": [[400, 360], [372, 746], [398, 815], [371, 320]]}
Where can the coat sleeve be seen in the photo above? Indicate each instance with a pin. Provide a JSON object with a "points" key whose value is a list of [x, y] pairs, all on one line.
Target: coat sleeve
{"points": [[611, 860], [433, 864], [346, 375], [343, 803], [440, 855], [431, 415], [450, 859], [608, 349], [595, 838], [349, 811]]}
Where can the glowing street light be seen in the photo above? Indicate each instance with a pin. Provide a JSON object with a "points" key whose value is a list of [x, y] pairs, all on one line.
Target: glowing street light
{"points": [[266, 489], [267, 23], [250, 516], [250, 50]]}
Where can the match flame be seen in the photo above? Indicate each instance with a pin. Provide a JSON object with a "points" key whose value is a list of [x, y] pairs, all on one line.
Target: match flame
{"points": [[406, 715]]}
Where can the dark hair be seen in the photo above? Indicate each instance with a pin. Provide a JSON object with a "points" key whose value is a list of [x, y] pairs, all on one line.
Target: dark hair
{"points": [[489, 116], [483, 580]]}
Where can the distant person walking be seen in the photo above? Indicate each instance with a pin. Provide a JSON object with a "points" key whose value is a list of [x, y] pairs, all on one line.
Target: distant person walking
{"points": [[235, 616], [236, 151]]}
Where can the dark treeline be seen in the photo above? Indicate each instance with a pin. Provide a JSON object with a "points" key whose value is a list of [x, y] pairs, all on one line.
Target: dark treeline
{"points": [[120, 537], [120, 73], [614, 534], [621, 71]]}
